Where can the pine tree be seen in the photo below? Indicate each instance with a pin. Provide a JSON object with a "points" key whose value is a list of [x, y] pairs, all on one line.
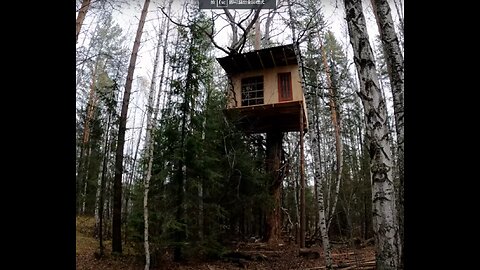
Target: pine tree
{"points": [[117, 184], [106, 55]]}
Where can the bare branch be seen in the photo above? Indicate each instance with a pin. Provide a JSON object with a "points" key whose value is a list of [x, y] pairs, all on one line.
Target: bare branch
{"points": [[237, 45], [243, 39], [109, 56], [203, 30], [231, 20], [171, 20]]}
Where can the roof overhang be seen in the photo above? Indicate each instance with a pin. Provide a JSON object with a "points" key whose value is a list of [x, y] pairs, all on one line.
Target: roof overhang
{"points": [[260, 59]]}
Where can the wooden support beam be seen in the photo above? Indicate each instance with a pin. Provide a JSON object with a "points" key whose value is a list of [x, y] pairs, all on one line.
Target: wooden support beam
{"points": [[285, 56], [248, 62], [235, 63], [260, 58], [273, 59]]}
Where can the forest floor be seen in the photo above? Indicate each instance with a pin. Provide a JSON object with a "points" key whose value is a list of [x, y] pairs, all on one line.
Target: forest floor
{"points": [[243, 256]]}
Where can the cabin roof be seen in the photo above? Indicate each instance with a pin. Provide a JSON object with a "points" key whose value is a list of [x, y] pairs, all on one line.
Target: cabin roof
{"points": [[259, 59]]}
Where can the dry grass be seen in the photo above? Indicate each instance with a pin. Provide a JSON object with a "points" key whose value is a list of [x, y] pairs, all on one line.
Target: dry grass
{"points": [[87, 246]]}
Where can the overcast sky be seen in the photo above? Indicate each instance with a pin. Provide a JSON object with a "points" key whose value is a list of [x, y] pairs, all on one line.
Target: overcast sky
{"points": [[128, 18]]}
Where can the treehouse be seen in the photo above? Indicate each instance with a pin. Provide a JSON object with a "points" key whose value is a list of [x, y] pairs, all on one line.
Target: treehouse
{"points": [[265, 92]]}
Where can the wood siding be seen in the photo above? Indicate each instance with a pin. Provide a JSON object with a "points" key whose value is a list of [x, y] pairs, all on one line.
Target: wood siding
{"points": [[270, 79]]}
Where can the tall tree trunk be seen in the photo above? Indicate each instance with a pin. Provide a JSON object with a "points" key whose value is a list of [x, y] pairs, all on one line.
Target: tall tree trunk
{"points": [[315, 196], [398, 8], [336, 121], [394, 59], [302, 80], [266, 37], [84, 62], [101, 182], [82, 170], [149, 146], [365, 177], [354, 178], [274, 152], [302, 183], [315, 142], [164, 62], [292, 185], [297, 209], [97, 198], [149, 142], [101, 189], [231, 21], [117, 184], [181, 174], [128, 186], [81, 16], [383, 197], [238, 44], [85, 184], [258, 35]]}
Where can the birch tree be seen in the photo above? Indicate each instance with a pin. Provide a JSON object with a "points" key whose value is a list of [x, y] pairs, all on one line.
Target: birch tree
{"points": [[312, 62], [117, 184], [401, 24], [314, 135], [149, 146], [383, 197], [302, 179], [310, 27], [152, 113], [395, 69]]}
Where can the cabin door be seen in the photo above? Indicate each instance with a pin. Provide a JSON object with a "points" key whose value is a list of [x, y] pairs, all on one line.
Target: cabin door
{"points": [[285, 87]]}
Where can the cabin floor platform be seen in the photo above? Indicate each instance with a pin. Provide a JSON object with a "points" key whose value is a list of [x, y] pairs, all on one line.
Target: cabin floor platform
{"points": [[284, 117]]}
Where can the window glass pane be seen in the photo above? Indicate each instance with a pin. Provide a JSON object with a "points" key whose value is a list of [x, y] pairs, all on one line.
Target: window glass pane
{"points": [[252, 91]]}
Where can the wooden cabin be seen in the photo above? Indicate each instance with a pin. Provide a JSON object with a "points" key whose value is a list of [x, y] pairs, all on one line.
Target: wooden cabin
{"points": [[265, 92]]}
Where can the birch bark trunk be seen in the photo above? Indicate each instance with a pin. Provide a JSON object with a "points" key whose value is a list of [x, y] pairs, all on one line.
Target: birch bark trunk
{"points": [[394, 59], [383, 195], [322, 221], [101, 189], [149, 142], [302, 80]]}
